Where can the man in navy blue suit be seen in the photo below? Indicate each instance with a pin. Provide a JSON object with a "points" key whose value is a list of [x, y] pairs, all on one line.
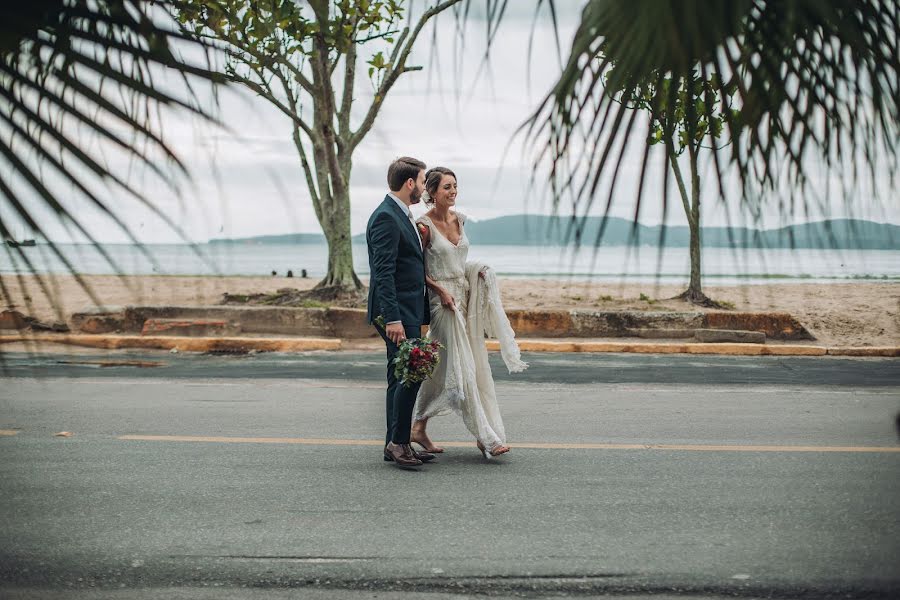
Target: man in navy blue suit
{"points": [[398, 304]]}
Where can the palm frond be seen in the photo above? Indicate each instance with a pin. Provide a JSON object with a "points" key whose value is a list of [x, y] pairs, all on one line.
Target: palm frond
{"points": [[76, 78], [816, 83]]}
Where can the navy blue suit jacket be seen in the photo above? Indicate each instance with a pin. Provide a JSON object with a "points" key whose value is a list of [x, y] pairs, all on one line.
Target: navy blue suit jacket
{"points": [[396, 267]]}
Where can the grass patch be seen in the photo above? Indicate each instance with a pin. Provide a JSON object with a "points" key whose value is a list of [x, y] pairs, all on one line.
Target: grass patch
{"points": [[645, 298], [313, 304], [277, 300]]}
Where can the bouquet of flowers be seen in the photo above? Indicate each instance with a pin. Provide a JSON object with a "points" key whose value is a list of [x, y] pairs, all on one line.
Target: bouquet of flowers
{"points": [[416, 360]]}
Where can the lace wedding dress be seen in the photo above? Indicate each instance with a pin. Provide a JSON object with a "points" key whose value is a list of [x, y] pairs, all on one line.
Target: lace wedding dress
{"points": [[462, 381]]}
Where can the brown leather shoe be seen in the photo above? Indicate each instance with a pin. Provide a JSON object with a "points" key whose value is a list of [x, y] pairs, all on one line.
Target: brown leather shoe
{"points": [[422, 455], [401, 455]]}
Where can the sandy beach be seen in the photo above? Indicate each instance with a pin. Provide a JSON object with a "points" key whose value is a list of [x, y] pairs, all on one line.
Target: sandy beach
{"points": [[851, 314]]}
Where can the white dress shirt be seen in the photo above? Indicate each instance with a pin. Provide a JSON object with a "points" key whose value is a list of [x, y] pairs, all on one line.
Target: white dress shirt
{"points": [[409, 216]]}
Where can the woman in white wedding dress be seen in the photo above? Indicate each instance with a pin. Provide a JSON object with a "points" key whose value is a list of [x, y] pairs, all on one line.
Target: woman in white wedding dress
{"points": [[465, 306]]}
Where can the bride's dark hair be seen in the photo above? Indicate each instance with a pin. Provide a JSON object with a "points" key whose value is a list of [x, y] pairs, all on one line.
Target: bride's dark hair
{"points": [[432, 180]]}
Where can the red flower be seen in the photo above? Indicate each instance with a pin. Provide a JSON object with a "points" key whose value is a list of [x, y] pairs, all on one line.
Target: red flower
{"points": [[416, 360]]}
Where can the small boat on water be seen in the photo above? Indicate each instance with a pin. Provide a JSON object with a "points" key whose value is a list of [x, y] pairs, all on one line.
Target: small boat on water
{"points": [[20, 244]]}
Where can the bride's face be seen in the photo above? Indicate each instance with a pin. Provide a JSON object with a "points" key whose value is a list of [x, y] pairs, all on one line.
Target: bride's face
{"points": [[445, 196]]}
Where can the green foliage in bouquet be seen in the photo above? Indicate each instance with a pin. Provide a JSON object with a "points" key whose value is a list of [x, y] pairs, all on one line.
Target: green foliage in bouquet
{"points": [[416, 360]]}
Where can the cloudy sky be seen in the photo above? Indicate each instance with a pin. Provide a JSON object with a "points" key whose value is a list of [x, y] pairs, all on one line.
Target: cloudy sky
{"points": [[248, 180]]}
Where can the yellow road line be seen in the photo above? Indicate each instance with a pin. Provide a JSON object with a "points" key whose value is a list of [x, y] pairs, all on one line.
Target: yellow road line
{"points": [[711, 448], [9, 432], [251, 440], [532, 445]]}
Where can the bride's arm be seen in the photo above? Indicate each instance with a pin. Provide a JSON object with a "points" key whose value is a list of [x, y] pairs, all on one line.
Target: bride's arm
{"points": [[445, 296]]}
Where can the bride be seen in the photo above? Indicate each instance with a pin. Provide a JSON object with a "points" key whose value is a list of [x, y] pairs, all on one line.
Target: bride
{"points": [[465, 305]]}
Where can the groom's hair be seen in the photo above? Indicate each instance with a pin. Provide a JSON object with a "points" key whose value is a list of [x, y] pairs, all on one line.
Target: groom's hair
{"points": [[402, 169]]}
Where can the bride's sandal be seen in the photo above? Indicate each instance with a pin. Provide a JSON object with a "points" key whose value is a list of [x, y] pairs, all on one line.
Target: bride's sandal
{"points": [[426, 443], [499, 450], [495, 452]]}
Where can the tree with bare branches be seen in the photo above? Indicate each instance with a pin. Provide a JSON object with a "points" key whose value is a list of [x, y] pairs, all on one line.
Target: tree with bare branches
{"points": [[303, 59]]}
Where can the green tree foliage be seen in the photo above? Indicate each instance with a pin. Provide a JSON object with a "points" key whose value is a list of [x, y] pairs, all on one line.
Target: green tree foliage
{"points": [[302, 58]]}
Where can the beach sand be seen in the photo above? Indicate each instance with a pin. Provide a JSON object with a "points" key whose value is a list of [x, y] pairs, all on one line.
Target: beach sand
{"points": [[838, 314]]}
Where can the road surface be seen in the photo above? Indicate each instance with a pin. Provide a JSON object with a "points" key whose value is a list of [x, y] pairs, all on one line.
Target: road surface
{"points": [[260, 477]]}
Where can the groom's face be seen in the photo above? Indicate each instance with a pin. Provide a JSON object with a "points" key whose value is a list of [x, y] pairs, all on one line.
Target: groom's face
{"points": [[415, 195]]}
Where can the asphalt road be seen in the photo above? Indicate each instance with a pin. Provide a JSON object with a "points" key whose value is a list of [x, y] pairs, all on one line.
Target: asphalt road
{"points": [[546, 367], [260, 477]]}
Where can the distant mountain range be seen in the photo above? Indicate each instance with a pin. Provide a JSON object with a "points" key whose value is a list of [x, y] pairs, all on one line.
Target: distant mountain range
{"points": [[526, 230]]}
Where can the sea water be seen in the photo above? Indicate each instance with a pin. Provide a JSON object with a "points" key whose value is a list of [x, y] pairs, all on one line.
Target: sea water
{"points": [[720, 266]]}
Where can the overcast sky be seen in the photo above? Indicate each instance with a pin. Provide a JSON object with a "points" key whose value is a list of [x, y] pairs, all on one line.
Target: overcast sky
{"points": [[464, 120], [250, 182]]}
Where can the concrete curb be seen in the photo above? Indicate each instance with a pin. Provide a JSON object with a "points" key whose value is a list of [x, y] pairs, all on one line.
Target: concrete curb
{"points": [[860, 351], [296, 344], [183, 344], [657, 348]]}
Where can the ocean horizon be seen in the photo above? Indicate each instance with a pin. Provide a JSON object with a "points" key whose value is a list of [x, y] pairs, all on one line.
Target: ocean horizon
{"points": [[720, 266]]}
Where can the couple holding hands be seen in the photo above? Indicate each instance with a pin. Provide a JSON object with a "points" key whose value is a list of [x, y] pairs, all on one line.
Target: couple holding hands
{"points": [[419, 275]]}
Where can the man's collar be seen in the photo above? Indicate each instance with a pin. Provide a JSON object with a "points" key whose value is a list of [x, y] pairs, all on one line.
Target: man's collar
{"points": [[400, 203]]}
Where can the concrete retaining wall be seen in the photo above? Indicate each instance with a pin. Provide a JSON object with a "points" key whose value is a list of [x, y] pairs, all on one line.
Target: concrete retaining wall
{"points": [[349, 323], [249, 319], [597, 324]]}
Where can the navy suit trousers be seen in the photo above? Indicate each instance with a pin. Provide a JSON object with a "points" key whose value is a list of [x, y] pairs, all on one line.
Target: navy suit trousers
{"points": [[399, 400]]}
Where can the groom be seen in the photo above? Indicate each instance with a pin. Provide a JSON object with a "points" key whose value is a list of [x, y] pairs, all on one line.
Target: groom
{"points": [[397, 295]]}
